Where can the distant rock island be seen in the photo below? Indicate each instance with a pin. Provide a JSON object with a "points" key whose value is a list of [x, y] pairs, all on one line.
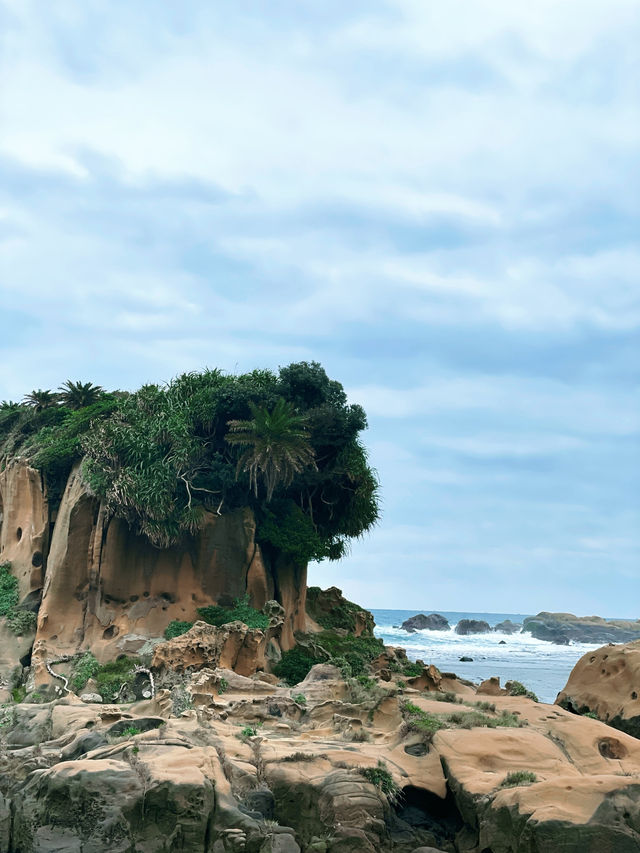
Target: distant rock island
{"points": [[472, 626], [562, 628], [420, 622]]}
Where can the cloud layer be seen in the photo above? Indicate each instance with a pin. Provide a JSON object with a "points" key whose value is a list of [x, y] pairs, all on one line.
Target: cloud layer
{"points": [[440, 203]]}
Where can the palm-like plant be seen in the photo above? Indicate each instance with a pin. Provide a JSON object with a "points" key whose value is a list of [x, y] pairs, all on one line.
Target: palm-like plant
{"points": [[40, 399], [77, 395], [276, 446], [9, 405]]}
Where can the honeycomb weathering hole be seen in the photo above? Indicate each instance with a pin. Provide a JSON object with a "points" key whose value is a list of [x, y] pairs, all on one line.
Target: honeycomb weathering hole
{"points": [[610, 747]]}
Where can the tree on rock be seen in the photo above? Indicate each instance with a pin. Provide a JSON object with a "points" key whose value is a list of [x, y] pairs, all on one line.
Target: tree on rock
{"points": [[277, 446]]}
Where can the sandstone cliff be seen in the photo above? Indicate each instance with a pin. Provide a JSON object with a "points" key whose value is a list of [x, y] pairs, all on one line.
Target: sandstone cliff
{"points": [[106, 589]]}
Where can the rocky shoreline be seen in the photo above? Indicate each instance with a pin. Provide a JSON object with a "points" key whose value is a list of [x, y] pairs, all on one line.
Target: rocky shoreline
{"points": [[330, 765], [559, 628]]}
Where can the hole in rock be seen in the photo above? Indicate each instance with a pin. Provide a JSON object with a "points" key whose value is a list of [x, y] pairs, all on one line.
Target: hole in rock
{"points": [[423, 810], [19, 534], [110, 632], [25, 660], [610, 747], [145, 594], [634, 695], [36, 560], [133, 598]]}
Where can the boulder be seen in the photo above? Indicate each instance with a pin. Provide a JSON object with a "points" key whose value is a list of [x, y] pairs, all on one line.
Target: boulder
{"points": [[606, 682], [420, 622], [472, 626]]}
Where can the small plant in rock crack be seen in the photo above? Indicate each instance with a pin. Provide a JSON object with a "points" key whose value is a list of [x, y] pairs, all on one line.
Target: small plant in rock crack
{"points": [[223, 686], [382, 779], [299, 698], [518, 777], [130, 731], [249, 731]]}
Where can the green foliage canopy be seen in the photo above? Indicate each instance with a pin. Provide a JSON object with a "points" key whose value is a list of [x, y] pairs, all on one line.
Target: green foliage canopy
{"points": [[286, 444]]}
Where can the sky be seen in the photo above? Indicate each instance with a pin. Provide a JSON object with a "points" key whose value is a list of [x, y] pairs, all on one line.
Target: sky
{"points": [[437, 201]]}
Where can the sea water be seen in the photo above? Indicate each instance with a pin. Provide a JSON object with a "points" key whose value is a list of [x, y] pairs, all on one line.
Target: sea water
{"points": [[542, 666]]}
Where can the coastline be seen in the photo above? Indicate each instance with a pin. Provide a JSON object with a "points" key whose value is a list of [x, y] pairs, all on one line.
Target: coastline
{"points": [[543, 666]]}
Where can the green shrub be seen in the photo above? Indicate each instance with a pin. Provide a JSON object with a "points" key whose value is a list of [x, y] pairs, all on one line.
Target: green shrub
{"points": [[518, 777], [18, 694], [294, 665], [18, 621], [299, 698], [84, 668], [249, 731], [592, 715], [417, 720], [366, 682], [411, 670], [382, 779], [241, 611], [516, 688], [475, 719], [22, 622], [176, 628], [130, 731], [111, 676], [223, 686], [8, 590]]}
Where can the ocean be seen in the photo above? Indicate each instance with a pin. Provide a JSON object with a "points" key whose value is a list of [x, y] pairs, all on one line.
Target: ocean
{"points": [[543, 667]]}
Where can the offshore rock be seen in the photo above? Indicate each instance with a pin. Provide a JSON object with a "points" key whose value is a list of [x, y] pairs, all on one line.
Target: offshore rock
{"points": [[420, 622], [472, 626], [562, 628], [507, 627]]}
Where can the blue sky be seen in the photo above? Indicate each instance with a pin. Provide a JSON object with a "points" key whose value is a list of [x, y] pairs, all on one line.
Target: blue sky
{"points": [[438, 201]]}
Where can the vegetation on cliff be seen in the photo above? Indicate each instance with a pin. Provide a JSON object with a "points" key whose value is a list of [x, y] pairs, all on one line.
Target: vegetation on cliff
{"points": [[287, 445]]}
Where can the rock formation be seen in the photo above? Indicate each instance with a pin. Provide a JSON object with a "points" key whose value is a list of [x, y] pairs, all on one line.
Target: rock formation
{"points": [[420, 622], [472, 626], [328, 608], [106, 589], [606, 683], [258, 767], [562, 628]]}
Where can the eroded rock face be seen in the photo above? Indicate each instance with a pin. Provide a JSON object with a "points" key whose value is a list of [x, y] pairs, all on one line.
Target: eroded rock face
{"points": [[111, 591], [24, 527], [606, 682], [106, 777], [420, 622], [232, 646]]}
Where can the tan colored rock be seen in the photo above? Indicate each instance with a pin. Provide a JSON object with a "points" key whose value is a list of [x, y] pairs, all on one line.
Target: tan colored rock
{"points": [[233, 646], [491, 687], [24, 526], [109, 590], [606, 682]]}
